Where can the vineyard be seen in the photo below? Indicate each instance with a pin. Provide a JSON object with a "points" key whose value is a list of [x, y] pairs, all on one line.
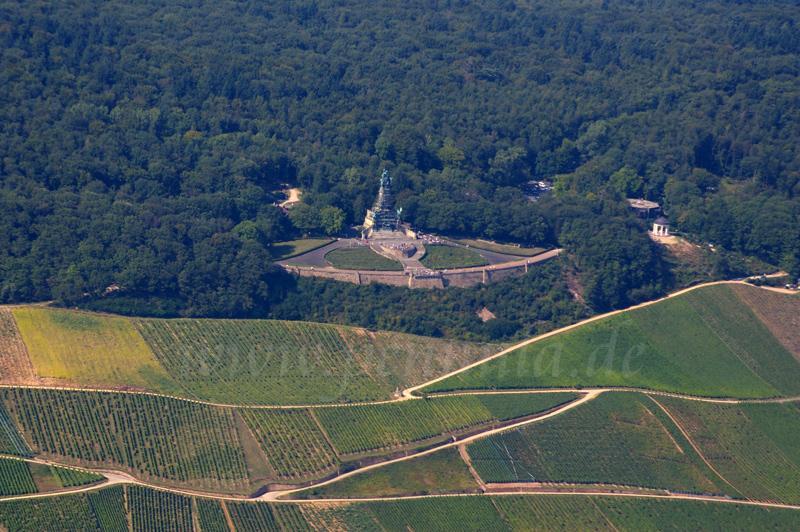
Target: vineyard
{"points": [[615, 439], [109, 510], [89, 349], [282, 362], [656, 347], [435, 473], [18, 477], [295, 447], [11, 441], [157, 510], [779, 312], [365, 428], [15, 366], [754, 447], [158, 438]]}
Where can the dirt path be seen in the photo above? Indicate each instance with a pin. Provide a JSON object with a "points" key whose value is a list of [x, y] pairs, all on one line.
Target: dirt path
{"points": [[294, 197], [462, 451], [694, 446]]}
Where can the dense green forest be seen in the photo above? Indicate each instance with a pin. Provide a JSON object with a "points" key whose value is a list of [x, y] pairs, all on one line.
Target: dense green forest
{"points": [[141, 143]]}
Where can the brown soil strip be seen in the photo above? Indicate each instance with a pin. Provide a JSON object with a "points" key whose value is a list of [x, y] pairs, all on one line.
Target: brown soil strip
{"points": [[462, 451], [780, 313], [227, 514]]}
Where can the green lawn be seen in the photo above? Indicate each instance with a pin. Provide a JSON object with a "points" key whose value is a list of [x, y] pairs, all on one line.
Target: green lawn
{"points": [[440, 472], [508, 249], [439, 257], [361, 258], [292, 248], [617, 438], [705, 342]]}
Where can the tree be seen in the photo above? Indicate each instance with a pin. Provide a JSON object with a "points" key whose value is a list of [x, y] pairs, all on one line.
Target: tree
{"points": [[332, 220]]}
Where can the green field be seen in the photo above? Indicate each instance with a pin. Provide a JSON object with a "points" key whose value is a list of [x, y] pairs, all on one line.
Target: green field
{"points": [[617, 438], [362, 429], [168, 440], [440, 257], [439, 472], [361, 258], [508, 249], [705, 342], [753, 446], [89, 349], [292, 248]]}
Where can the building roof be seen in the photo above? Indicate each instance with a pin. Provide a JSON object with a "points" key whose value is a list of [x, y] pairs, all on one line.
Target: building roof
{"points": [[661, 221], [642, 203]]}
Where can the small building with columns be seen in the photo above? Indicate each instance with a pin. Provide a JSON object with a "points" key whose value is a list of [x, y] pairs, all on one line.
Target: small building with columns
{"points": [[661, 226]]}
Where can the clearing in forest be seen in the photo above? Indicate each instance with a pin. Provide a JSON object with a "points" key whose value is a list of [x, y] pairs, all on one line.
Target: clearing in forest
{"points": [[704, 342], [89, 349]]}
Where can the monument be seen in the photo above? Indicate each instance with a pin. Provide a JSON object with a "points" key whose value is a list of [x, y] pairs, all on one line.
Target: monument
{"points": [[382, 218]]}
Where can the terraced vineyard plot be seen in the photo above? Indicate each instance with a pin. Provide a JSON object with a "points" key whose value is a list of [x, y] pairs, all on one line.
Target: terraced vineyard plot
{"points": [[15, 366], [252, 517], [108, 507], [445, 514], [359, 429], [64, 512], [439, 472], [705, 342], [157, 510], [89, 349], [779, 312], [70, 478], [614, 439], [15, 477], [754, 446], [11, 441], [158, 438], [282, 362], [211, 515], [292, 441], [531, 512]]}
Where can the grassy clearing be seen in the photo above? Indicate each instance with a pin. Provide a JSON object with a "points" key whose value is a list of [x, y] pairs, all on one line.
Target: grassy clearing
{"points": [[361, 258], [89, 349], [753, 446], [507, 249], [440, 472], [292, 248], [168, 440], [367, 428], [284, 362], [439, 257], [705, 342], [615, 439]]}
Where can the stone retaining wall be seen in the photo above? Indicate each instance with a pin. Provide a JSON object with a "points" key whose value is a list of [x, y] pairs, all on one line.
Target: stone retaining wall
{"points": [[463, 277]]}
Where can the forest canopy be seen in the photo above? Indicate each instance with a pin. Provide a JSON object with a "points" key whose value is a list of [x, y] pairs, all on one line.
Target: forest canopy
{"points": [[141, 143]]}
